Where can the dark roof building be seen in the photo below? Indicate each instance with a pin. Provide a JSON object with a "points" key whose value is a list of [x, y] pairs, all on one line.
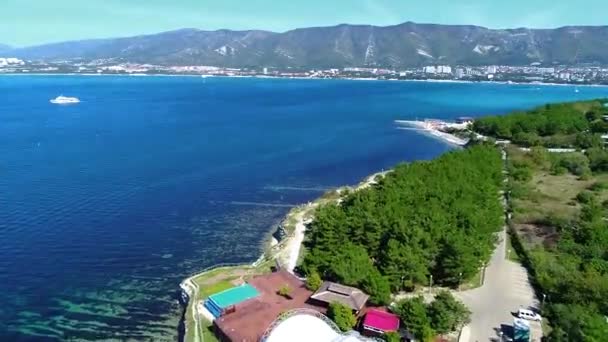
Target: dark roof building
{"points": [[350, 296]]}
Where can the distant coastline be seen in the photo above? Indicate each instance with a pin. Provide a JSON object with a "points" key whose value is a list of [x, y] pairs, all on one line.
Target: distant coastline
{"points": [[534, 83]]}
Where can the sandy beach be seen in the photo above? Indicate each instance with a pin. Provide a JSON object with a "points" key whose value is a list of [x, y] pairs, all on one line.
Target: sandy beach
{"points": [[426, 128]]}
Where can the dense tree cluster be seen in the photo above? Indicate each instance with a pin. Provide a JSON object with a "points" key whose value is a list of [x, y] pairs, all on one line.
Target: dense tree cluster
{"points": [[577, 124], [444, 315], [424, 219]]}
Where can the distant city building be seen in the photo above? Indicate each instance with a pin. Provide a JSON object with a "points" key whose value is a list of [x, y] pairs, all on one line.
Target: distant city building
{"points": [[444, 69], [10, 61], [440, 69], [546, 70], [460, 73], [430, 70]]}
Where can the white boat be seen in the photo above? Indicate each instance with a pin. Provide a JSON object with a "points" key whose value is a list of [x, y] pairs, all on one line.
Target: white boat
{"points": [[65, 100]]}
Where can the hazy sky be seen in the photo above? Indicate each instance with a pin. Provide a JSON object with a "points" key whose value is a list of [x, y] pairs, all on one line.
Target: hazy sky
{"points": [[27, 22]]}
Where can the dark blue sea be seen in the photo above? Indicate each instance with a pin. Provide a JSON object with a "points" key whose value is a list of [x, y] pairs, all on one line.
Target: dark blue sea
{"points": [[107, 205]]}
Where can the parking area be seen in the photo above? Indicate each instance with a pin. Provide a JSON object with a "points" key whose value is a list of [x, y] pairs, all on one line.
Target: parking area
{"points": [[506, 288]]}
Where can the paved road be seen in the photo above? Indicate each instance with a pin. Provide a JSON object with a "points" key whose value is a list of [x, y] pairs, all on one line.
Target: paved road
{"points": [[506, 288]]}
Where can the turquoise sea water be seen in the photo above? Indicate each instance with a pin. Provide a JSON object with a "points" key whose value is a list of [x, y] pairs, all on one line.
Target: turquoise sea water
{"points": [[107, 205]]}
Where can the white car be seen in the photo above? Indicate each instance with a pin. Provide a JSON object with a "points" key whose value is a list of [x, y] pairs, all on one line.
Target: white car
{"points": [[529, 315]]}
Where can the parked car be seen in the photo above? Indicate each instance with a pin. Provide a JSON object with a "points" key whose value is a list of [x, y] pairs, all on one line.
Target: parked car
{"points": [[529, 315]]}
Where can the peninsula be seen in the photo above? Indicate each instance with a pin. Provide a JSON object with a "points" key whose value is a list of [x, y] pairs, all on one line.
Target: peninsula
{"points": [[442, 220]]}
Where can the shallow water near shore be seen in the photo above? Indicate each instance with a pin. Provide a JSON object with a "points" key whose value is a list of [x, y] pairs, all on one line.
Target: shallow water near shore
{"points": [[107, 205]]}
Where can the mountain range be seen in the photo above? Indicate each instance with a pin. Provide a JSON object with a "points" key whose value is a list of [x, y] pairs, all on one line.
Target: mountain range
{"points": [[5, 48], [405, 45]]}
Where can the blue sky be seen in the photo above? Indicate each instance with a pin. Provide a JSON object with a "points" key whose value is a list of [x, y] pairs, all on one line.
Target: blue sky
{"points": [[28, 22]]}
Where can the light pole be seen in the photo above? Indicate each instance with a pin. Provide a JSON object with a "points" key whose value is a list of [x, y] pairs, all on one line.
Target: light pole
{"points": [[459, 279], [544, 297], [431, 284]]}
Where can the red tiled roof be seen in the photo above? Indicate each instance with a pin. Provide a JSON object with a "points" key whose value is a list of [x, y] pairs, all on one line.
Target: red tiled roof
{"points": [[251, 319], [381, 320]]}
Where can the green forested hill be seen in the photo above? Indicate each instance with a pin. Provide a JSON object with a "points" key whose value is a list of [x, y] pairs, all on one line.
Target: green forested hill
{"points": [[426, 218]]}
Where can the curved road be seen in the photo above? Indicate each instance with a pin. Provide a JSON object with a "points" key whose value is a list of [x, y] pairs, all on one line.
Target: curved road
{"points": [[505, 289]]}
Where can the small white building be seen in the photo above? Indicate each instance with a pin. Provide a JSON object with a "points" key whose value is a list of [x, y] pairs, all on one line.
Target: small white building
{"points": [[10, 61]]}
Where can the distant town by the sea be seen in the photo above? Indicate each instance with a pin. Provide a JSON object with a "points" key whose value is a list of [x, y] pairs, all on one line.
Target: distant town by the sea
{"points": [[534, 73]]}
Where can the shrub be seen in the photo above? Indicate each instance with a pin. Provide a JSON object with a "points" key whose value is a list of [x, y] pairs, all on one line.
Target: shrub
{"points": [[584, 197], [342, 316], [285, 291], [392, 336], [576, 163], [313, 281]]}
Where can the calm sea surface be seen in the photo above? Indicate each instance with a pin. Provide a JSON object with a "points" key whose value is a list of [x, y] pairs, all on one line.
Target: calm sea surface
{"points": [[107, 205]]}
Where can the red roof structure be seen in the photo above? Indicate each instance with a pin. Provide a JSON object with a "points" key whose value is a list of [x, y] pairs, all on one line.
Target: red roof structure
{"points": [[250, 319], [380, 321]]}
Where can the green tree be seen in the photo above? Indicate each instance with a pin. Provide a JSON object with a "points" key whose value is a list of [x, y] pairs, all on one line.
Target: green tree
{"points": [[313, 281], [392, 336], [378, 288], [447, 314], [352, 264], [413, 314], [577, 323], [588, 140], [341, 315]]}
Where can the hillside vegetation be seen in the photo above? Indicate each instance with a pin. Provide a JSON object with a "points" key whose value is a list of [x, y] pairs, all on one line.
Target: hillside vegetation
{"points": [[569, 125], [426, 219], [560, 221]]}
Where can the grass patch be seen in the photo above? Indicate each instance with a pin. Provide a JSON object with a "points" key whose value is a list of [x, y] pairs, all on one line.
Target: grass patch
{"points": [[189, 324], [207, 331], [208, 290], [471, 283], [553, 195]]}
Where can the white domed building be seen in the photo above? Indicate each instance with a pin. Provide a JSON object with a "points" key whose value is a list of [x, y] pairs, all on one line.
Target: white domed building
{"points": [[305, 325]]}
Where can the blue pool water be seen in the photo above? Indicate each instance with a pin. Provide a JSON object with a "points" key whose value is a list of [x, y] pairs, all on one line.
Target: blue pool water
{"points": [[107, 205]]}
